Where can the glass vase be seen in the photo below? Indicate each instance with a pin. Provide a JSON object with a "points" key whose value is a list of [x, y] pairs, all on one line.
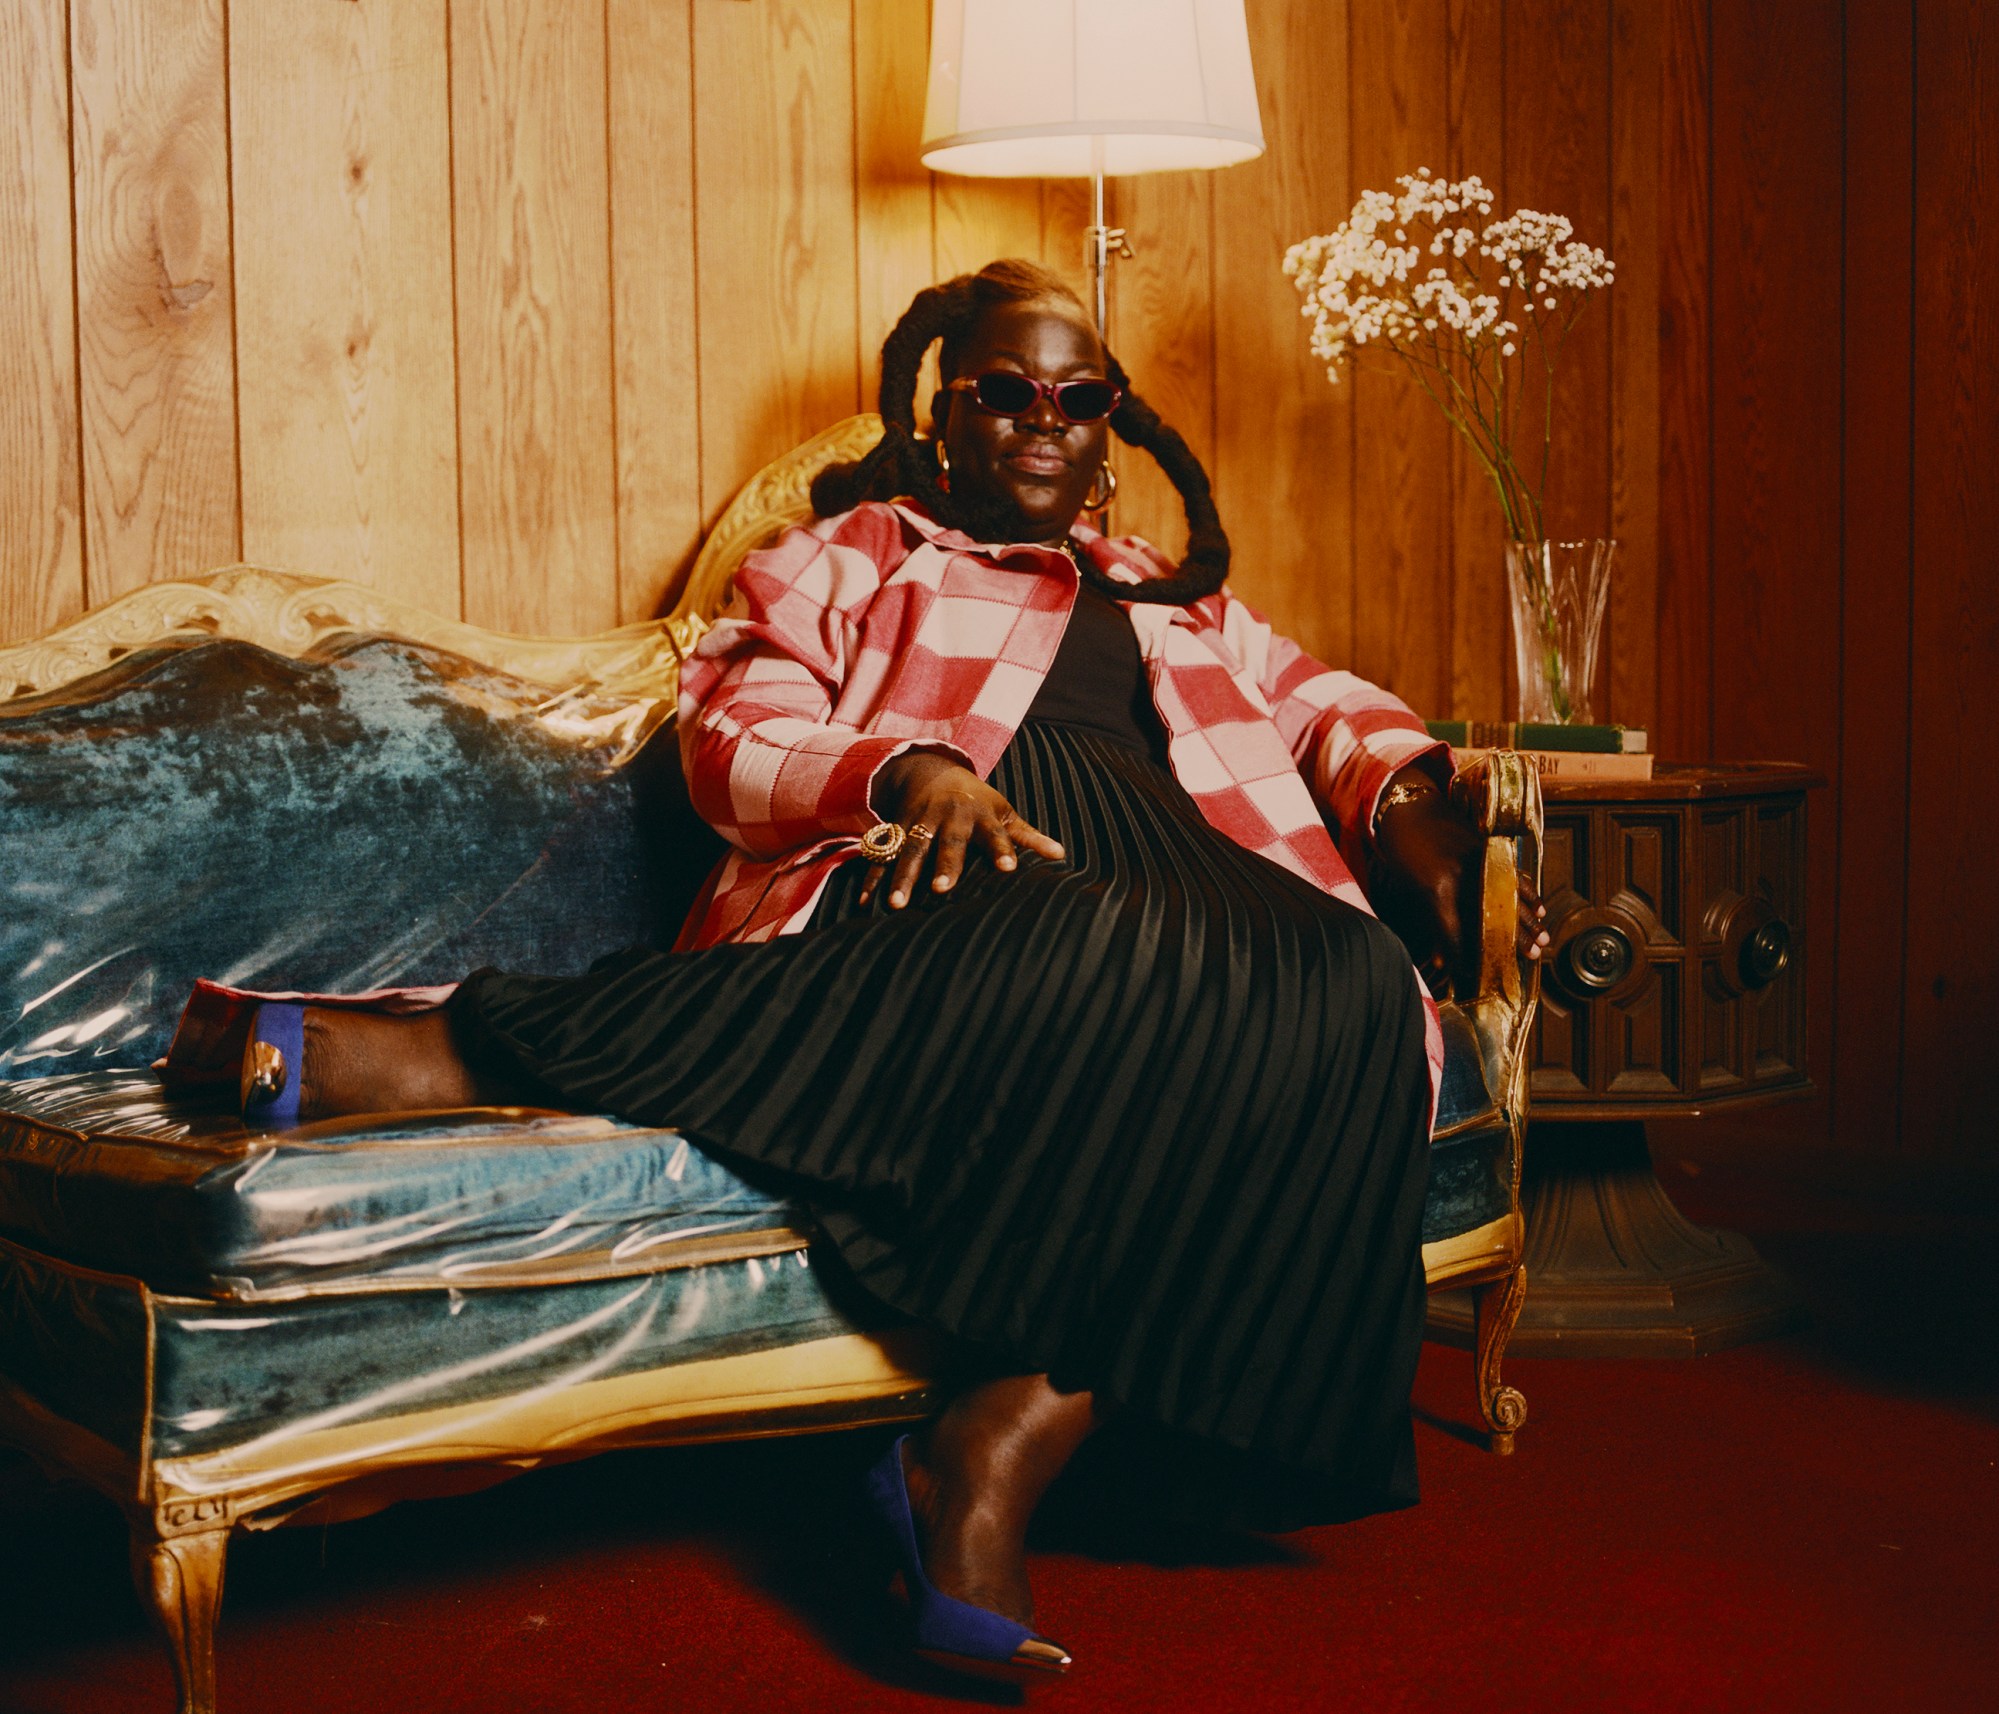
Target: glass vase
{"points": [[1560, 591]]}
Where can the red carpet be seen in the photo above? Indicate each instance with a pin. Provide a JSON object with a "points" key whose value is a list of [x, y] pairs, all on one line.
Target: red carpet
{"points": [[1807, 1524]]}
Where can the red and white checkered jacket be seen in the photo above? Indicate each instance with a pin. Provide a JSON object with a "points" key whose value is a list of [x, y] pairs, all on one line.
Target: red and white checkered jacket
{"points": [[862, 636]]}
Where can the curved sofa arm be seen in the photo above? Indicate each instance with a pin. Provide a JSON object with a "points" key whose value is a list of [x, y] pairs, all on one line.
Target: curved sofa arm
{"points": [[1498, 988], [1502, 794]]}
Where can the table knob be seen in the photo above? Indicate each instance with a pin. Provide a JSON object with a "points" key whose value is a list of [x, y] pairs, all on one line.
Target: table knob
{"points": [[1600, 958], [1765, 953], [1756, 944]]}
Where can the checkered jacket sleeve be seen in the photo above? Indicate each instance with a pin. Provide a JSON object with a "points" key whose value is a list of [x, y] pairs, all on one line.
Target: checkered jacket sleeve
{"points": [[768, 766], [1348, 737]]}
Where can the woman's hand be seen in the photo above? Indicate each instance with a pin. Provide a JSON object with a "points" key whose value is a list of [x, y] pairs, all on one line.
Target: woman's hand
{"points": [[923, 790], [1423, 846]]}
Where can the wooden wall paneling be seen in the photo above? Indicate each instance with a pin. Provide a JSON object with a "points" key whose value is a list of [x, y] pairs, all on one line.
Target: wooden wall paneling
{"points": [[155, 299], [1952, 999], [1558, 130], [1476, 143], [897, 242], [41, 481], [1065, 217], [1684, 727], [981, 220], [1283, 455], [1162, 317], [1776, 558], [655, 360], [1398, 120], [1631, 638], [1864, 1072], [346, 385], [775, 214], [537, 475]]}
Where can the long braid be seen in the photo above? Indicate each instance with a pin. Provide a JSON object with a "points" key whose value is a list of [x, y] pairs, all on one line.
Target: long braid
{"points": [[901, 464], [1206, 566]]}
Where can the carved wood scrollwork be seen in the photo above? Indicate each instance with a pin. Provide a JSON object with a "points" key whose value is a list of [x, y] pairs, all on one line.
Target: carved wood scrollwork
{"points": [[1498, 1309], [291, 614]]}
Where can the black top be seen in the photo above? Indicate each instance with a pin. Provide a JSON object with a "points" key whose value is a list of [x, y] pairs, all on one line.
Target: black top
{"points": [[1098, 679]]}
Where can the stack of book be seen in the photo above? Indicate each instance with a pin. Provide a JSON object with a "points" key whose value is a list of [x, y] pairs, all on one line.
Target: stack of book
{"points": [[1560, 752]]}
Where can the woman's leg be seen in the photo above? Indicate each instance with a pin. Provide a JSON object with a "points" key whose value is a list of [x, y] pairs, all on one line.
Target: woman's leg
{"points": [[976, 1475], [370, 1062]]}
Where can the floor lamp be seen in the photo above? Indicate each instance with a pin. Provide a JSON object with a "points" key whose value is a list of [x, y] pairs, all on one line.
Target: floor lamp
{"points": [[1089, 89]]}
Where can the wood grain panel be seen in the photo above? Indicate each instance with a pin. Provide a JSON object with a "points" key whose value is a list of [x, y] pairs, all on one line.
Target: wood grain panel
{"points": [[155, 303], [981, 220], [537, 474], [1953, 999], [41, 482], [649, 53], [1398, 120], [1864, 1071], [345, 377], [774, 187], [1476, 143], [1162, 329], [897, 253], [1283, 458], [1632, 628], [1558, 159], [1776, 555], [1686, 424], [1065, 217]]}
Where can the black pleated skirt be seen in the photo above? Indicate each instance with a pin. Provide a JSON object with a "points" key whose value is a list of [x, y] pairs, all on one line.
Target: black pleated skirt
{"points": [[1152, 1120]]}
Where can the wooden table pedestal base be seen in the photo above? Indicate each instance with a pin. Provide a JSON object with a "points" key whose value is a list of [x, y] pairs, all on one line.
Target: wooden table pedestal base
{"points": [[1614, 1269]]}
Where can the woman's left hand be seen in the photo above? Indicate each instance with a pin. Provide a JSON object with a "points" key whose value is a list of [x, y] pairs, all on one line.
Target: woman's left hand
{"points": [[1423, 848]]}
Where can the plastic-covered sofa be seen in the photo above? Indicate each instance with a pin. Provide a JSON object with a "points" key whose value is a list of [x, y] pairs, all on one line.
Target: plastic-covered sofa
{"points": [[269, 779]]}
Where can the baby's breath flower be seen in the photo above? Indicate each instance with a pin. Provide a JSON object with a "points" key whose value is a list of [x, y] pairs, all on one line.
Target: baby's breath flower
{"points": [[1365, 283]]}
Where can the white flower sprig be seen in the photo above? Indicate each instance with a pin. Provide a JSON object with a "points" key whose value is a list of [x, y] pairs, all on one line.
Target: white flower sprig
{"points": [[1464, 301]]}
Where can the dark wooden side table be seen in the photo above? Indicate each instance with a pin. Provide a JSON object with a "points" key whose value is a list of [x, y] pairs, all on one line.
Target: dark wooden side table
{"points": [[1674, 985]]}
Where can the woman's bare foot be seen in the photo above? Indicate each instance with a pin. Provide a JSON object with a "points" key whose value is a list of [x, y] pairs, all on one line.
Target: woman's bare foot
{"points": [[975, 1478], [369, 1062]]}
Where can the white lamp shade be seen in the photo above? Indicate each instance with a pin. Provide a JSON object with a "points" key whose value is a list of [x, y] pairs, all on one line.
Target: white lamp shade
{"points": [[1063, 88]]}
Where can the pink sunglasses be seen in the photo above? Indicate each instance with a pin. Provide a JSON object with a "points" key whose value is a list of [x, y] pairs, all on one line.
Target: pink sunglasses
{"points": [[1008, 393]]}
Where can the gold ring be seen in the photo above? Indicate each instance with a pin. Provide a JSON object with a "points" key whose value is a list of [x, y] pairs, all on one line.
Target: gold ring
{"points": [[882, 843], [922, 833]]}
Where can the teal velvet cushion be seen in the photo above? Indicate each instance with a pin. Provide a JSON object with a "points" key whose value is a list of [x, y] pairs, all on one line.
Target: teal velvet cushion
{"points": [[164, 1377], [104, 1169], [380, 813]]}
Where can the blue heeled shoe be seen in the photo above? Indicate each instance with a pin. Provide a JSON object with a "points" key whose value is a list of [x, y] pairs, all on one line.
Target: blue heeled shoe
{"points": [[951, 1633], [273, 1064]]}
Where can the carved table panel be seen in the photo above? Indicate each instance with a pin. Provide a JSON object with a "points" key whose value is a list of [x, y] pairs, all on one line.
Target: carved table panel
{"points": [[1674, 984]]}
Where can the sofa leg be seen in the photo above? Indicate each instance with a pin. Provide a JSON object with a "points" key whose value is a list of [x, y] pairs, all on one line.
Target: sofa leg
{"points": [[1498, 1308], [179, 1578]]}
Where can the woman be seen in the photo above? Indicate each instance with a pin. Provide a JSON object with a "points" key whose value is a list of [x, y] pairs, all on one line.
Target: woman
{"points": [[1034, 967]]}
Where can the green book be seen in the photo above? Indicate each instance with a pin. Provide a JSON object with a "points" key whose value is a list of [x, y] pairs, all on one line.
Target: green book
{"points": [[1529, 735]]}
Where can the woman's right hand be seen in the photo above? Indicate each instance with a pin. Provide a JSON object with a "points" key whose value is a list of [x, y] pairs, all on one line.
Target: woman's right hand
{"points": [[921, 789]]}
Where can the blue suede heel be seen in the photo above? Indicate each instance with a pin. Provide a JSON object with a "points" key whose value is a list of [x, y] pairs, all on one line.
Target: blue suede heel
{"points": [[953, 1633], [273, 1064]]}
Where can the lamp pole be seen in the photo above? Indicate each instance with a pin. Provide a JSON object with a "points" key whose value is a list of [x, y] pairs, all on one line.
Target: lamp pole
{"points": [[1101, 242]]}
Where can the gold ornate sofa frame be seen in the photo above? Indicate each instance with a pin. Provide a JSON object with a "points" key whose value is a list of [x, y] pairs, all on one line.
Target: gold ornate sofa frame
{"points": [[182, 1510]]}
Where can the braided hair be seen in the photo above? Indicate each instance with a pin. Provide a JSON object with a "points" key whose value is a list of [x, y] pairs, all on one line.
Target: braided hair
{"points": [[902, 464]]}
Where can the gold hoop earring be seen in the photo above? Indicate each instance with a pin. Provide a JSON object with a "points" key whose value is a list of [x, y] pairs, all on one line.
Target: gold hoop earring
{"points": [[943, 463], [1091, 503]]}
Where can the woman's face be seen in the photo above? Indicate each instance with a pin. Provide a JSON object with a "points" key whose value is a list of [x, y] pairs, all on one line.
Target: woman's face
{"points": [[1040, 464]]}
